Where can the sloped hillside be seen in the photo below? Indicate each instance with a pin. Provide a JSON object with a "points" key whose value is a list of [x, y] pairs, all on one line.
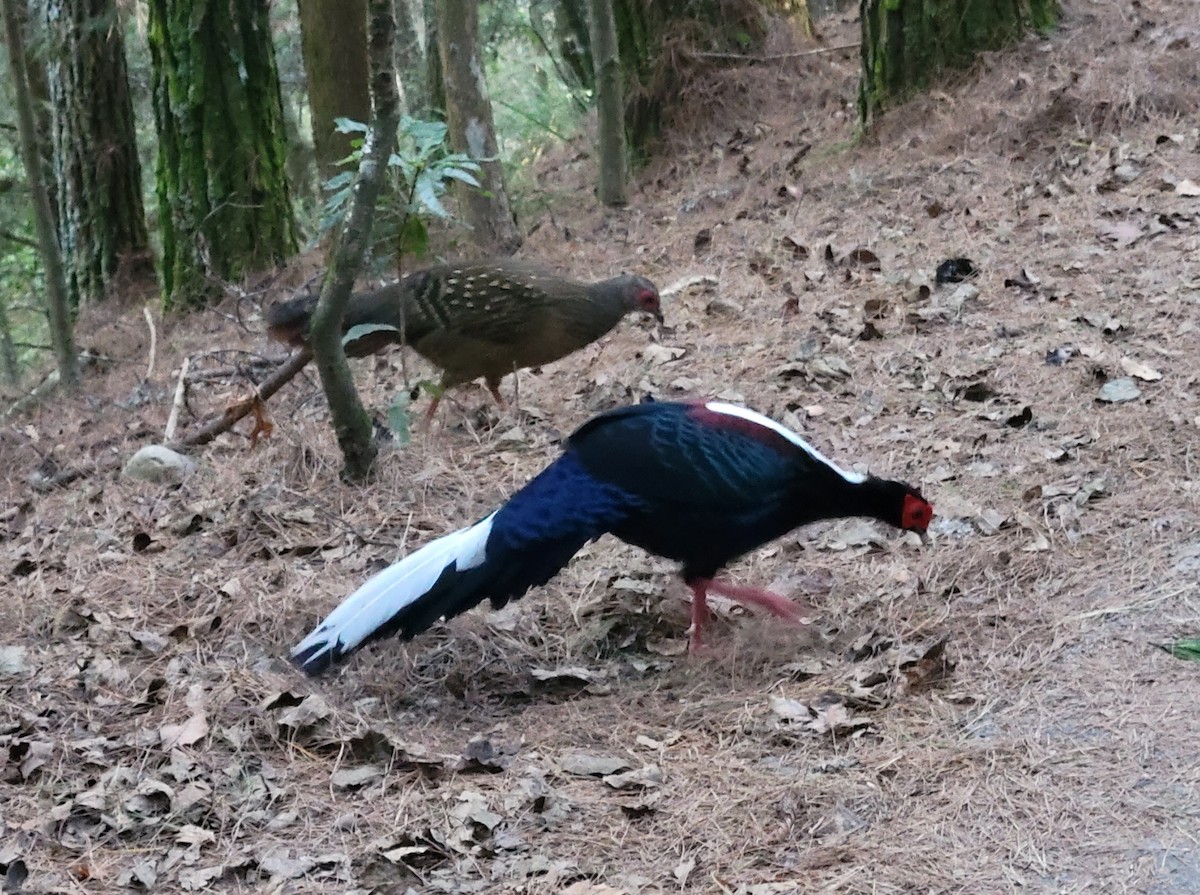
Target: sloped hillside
{"points": [[983, 711]]}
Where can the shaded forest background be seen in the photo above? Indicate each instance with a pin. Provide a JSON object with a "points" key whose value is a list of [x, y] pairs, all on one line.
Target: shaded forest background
{"points": [[1001, 708]]}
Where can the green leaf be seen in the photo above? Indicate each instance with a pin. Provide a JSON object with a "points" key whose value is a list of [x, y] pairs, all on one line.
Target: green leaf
{"points": [[338, 181], [428, 195], [459, 174], [365, 329], [349, 126], [413, 236], [1187, 648]]}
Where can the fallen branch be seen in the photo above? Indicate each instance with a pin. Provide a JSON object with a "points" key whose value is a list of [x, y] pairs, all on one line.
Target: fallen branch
{"points": [[153, 340], [773, 57], [177, 404], [231, 415], [687, 283]]}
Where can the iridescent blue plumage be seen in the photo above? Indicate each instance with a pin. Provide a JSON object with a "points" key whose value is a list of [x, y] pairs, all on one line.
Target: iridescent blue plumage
{"points": [[701, 483]]}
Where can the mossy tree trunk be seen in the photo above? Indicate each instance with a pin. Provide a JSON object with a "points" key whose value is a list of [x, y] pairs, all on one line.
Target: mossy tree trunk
{"points": [[333, 37], [101, 222], [472, 131], [8, 351], [221, 177], [350, 420], [609, 103], [654, 40], [908, 44], [57, 308]]}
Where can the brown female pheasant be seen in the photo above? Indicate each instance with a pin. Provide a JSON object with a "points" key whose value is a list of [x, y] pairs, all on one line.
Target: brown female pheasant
{"points": [[479, 320]]}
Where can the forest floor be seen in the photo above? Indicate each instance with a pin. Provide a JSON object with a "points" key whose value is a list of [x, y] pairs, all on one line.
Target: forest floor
{"points": [[982, 712]]}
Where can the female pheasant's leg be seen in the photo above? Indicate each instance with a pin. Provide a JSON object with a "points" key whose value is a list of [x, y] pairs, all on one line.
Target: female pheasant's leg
{"points": [[429, 414], [494, 387], [795, 612]]}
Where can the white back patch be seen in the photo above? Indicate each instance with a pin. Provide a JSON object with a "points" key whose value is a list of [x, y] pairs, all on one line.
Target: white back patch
{"points": [[854, 478]]}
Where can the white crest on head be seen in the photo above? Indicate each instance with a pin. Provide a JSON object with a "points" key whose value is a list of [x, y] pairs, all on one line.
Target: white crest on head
{"points": [[854, 478]]}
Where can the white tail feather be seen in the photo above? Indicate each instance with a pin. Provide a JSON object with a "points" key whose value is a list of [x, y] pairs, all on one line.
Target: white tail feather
{"points": [[377, 601]]}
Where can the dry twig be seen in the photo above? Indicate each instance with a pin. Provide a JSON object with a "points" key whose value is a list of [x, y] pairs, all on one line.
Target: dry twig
{"points": [[177, 404], [232, 414], [153, 340]]}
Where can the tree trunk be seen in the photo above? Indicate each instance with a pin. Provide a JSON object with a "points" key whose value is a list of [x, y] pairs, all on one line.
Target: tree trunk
{"points": [[908, 44], [8, 351], [435, 86], [39, 94], [223, 200], [57, 307], [410, 57], [333, 36], [572, 28], [653, 40], [610, 102], [350, 420], [101, 222], [469, 119]]}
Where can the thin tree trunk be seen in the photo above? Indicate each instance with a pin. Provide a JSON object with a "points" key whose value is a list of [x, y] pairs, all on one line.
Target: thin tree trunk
{"points": [[610, 103], [469, 119], [334, 40], [57, 308], [8, 351], [435, 86], [39, 93], [410, 57], [101, 222], [350, 420]]}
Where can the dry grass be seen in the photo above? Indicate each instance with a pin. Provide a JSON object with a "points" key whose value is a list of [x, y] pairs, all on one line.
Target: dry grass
{"points": [[1058, 751]]}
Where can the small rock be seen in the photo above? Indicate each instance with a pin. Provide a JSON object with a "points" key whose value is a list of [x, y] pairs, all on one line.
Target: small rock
{"points": [[155, 463], [1118, 390]]}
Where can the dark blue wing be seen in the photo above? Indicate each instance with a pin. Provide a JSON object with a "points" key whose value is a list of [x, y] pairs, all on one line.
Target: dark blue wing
{"points": [[668, 456]]}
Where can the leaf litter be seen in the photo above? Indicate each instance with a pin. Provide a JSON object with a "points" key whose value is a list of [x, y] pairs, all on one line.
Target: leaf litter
{"points": [[1047, 729]]}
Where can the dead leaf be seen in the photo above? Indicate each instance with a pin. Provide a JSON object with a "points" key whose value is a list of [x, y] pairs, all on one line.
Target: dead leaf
{"points": [[12, 660], [932, 668], [353, 778], [587, 887], [188, 733], [683, 870], [862, 257], [661, 354], [1139, 370], [583, 764], [1123, 233], [643, 778]]}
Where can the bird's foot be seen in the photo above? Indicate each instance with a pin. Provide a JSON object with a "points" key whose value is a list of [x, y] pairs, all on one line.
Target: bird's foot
{"points": [[699, 616], [792, 611]]}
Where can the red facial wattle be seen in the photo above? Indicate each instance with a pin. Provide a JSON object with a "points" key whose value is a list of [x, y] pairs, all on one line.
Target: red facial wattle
{"points": [[916, 514]]}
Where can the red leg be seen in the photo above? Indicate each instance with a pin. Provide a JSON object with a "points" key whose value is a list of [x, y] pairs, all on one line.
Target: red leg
{"points": [[699, 612], [427, 421], [790, 610]]}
